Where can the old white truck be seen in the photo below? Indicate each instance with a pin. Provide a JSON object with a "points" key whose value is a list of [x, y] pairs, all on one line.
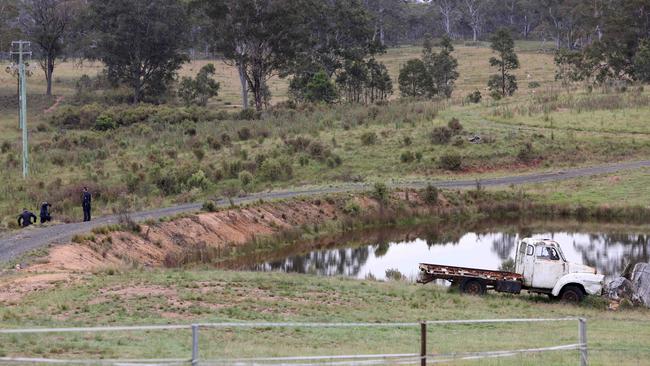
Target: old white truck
{"points": [[540, 267]]}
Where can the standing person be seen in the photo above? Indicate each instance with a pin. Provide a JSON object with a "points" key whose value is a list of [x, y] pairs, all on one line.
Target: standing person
{"points": [[25, 218], [86, 199], [45, 212]]}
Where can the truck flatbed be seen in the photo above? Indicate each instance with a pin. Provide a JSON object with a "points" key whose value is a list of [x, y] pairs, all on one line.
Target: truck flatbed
{"points": [[472, 279]]}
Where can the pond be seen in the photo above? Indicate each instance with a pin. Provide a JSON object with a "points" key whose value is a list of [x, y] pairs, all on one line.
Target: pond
{"points": [[366, 254]]}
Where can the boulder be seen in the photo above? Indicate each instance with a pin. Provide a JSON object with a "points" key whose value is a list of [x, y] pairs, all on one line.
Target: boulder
{"points": [[641, 281], [619, 289]]}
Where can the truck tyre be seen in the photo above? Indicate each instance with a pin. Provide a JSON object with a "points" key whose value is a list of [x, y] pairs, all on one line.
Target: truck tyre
{"points": [[472, 287], [572, 294]]}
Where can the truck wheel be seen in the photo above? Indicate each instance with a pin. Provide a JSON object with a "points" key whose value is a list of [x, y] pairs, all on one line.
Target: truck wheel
{"points": [[572, 294], [472, 287]]}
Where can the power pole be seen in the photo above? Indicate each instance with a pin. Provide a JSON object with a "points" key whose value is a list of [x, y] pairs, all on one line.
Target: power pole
{"points": [[23, 50]]}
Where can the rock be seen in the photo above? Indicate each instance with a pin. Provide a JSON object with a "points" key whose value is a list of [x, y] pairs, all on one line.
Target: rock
{"points": [[620, 288], [641, 281]]}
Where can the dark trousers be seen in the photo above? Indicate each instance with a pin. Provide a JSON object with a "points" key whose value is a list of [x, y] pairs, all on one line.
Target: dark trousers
{"points": [[45, 219], [86, 212]]}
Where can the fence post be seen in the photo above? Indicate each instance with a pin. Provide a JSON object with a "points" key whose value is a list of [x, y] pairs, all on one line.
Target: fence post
{"points": [[583, 341], [423, 343], [195, 344]]}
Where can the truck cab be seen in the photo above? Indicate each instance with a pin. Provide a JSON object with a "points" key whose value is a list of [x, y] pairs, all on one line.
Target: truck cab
{"points": [[545, 270]]}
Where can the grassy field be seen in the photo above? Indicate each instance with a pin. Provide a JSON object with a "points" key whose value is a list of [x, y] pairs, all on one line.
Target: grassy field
{"points": [[538, 129], [172, 297]]}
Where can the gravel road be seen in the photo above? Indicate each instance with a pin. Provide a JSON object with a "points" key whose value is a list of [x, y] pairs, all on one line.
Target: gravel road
{"points": [[14, 244]]}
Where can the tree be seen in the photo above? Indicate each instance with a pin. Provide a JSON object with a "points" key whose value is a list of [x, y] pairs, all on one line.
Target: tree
{"points": [[46, 23], [200, 89], [642, 62], [320, 89], [443, 73], [474, 16], [140, 42], [271, 38], [414, 79], [8, 29], [351, 80], [503, 84], [448, 12], [379, 85]]}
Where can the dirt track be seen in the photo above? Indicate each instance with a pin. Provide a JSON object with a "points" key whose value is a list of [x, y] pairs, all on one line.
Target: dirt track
{"points": [[16, 244]]}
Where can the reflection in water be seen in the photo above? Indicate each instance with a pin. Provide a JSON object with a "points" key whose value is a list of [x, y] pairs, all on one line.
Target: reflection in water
{"points": [[610, 253]]}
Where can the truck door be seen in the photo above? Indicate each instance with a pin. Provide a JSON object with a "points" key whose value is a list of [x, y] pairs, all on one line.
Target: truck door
{"points": [[525, 262], [548, 268]]}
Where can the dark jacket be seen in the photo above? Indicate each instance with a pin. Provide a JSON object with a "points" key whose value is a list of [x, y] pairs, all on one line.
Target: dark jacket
{"points": [[26, 218], [86, 198], [45, 210]]}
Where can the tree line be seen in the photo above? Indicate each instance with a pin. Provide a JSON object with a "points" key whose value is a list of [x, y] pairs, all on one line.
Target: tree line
{"points": [[327, 47]]}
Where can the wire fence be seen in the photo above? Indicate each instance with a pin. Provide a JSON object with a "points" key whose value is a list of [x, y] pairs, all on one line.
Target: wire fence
{"points": [[422, 353]]}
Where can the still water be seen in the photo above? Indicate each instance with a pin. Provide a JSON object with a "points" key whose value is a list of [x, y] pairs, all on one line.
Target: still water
{"points": [[372, 253]]}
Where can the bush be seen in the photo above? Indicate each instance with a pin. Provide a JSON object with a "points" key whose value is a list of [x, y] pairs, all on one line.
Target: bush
{"points": [[459, 141], [407, 157], [209, 206], [105, 123], [369, 138], [407, 141], [430, 194], [245, 178], [394, 275], [441, 135], [352, 208], [198, 180], [452, 161], [275, 169], [534, 85], [199, 153], [303, 160], [5, 147], [380, 192], [334, 161], [418, 156], [244, 133], [455, 126], [317, 150], [526, 153], [474, 97]]}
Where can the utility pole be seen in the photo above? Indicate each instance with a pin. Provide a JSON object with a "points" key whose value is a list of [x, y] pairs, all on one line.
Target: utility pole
{"points": [[23, 50]]}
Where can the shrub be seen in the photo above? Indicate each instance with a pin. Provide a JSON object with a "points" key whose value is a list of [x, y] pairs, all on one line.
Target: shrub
{"points": [[452, 161], [198, 180], [213, 143], [526, 153], [105, 123], [209, 206], [507, 265], [225, 139], [418, 156], [407, 141], [430, 194], [534, 85], [303, 160], [334, 161], [459, 141], [475, 97], [394, 275], [455, 126], [407, 157], [317, 150], [369, 138], [352, 208], [275, 169], [245, 178], [5, 147], [248, 115], [440, 135], [199, 153], [244, 133], [380, 192]]}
